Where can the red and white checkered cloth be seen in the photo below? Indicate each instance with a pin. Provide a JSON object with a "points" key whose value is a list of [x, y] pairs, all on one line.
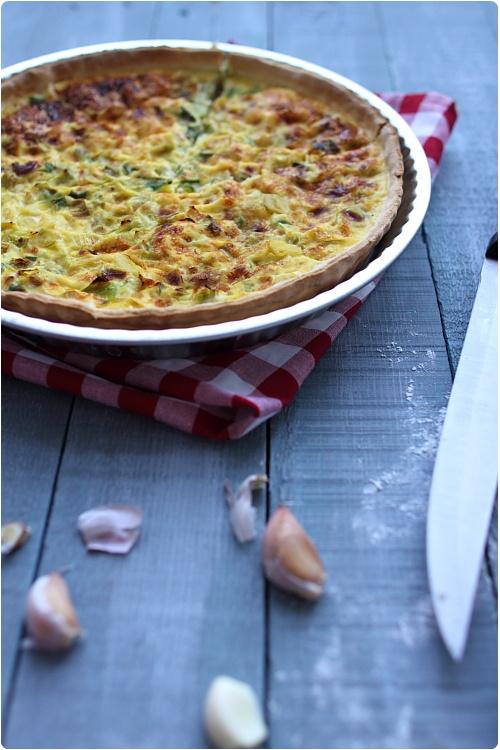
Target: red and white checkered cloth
{"points": [[221, 396]]}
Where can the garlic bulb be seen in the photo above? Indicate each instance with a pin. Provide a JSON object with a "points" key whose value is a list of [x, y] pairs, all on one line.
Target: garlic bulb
{"points": [[290, 558], [232, 715], [110, 528], [51, 620], [14, 535], [242, 513]]}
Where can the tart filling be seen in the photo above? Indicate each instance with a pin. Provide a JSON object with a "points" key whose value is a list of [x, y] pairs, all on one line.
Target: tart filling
{"points": [[170, 191]]}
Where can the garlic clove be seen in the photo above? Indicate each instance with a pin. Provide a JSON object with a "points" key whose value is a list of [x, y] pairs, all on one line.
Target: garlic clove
{"points": [[242, 513], [51, 619], [243, 518], [110, 528], [14, 535], [252, 482], [290, 558], [232, 715]]}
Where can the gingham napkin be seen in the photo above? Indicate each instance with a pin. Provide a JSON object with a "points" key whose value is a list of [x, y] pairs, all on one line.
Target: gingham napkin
{"points": [[222, 396]]}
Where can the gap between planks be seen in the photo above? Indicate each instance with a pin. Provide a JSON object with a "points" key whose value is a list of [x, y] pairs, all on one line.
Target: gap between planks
{"points": [[15, 671], [491, 551]]}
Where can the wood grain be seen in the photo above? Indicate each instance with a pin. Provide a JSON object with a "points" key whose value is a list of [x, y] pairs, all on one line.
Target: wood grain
{"points": [[342, 36], [34, 423], [37, 28], [463, 213], [240, 22], [366, 667], [73, 24]]}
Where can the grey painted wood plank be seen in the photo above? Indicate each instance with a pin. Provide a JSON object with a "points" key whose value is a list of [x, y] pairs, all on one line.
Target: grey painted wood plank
{"points": [[183, 20], [458, 54], [342, 36], [242, 22], [463, 213], [365, 667], [184, 606], [36, 28], [92, 23], [34, 422]]}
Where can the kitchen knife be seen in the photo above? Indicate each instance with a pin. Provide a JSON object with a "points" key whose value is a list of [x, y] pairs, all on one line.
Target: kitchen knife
{"points": [[464, 481]]}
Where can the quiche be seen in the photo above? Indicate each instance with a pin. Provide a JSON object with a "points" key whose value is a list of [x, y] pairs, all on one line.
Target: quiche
{"points": [[158, 188]]}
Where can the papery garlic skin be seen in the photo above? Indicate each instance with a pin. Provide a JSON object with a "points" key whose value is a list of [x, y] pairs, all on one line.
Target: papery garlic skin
{"points": [[51, 619], [277, 574], [14, 535], [232, 715], [110, 528], [242, 513], [290, 558]]}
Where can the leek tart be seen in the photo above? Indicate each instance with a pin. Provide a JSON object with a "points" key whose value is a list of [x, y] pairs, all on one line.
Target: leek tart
{"points": [[162, 188]]}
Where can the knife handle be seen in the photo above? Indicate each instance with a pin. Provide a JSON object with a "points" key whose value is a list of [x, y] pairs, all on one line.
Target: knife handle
{"points": [[492, 249]]}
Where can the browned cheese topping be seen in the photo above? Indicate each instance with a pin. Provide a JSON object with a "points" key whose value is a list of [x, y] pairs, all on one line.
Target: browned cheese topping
{"points": [[165, 189]]}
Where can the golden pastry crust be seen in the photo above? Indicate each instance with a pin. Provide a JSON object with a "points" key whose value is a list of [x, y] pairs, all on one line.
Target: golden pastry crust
{"points": [[253, 190]]}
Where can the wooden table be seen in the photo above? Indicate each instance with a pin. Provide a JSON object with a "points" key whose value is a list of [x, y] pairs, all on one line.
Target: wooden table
{"points": [[365, 666]]}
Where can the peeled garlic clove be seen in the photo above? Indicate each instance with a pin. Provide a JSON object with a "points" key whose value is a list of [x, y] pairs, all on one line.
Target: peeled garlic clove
{"points": [[110, 528], [232, 715], [290, 558], [14, 535], [51, 620], [243, 518], [242, 513]]}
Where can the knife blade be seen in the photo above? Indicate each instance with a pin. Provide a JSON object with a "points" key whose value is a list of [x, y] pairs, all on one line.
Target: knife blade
{"points": [[464, 481]]}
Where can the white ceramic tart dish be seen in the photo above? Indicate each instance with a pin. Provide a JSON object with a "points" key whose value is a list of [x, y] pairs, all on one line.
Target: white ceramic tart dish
{"points": [[259, 304]]}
